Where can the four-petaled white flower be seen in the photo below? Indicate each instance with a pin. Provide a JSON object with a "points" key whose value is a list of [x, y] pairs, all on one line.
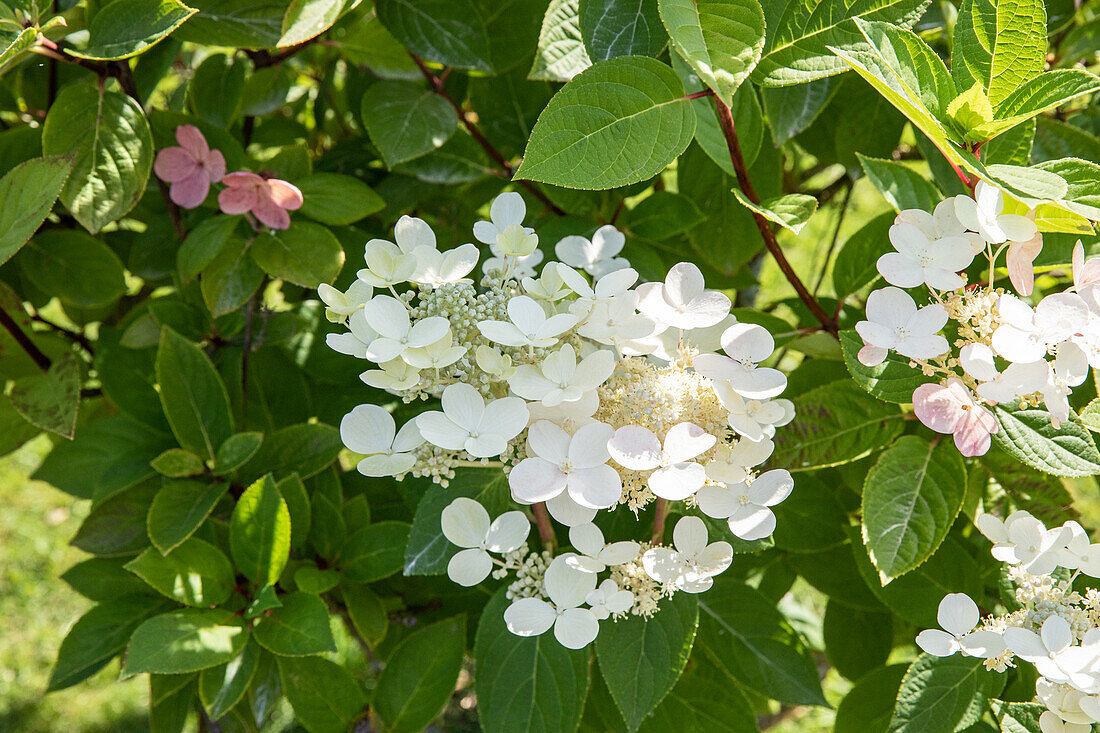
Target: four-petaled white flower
{"points": [[559, 378], [1026, 335], [895, 324], [441, 354], [574, 464], [745, 508], [982, 214], [920, 260], [436, 268], [594, 555], [528, 325], [370, 431], [396, 375], [467, 423], [754, 419], [746, 345], [339, 305], [466, 523], [396, 332], [683, 301], [386, 264], [676, 476], [691, 567], [567, 588], [1080, 553], [608, 600], [494, 363], [550, 286], [958, 615], [595, 256], [357, 340], [1052, 653], [1025, 541], [505, 228], [941, 223]]}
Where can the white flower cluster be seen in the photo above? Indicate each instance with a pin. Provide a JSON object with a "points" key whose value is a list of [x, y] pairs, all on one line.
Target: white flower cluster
{"points": [[1055, 628], [1004, 351], [589, 390]]}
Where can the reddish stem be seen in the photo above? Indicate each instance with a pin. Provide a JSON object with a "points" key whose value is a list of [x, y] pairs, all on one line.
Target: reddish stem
{"points": [[542, 521], [660, 514], [725, 120]]}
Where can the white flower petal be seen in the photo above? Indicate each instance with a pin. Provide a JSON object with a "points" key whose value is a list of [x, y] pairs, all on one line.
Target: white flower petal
{"points": [[937, 643], [534, 479], [771, 487], [588, 447], [678, 481], [440, 430], [469, 567], [690, 535], [464, 522], [635, 447], [957, 614], [686, 441], [599, 487], [586, 539], [752, 522], [367, 429], [576, 628], [568, 512], [507, 209], [566, 585], [507, 532], [529, 617]]}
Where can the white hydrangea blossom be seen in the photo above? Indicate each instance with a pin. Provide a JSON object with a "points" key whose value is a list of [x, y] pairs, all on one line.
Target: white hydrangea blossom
{"points": [[1055, 629], [1002, 350], [591, 391]]}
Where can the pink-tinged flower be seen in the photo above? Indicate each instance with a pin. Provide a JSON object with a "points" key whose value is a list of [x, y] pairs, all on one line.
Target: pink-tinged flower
{"points": [[190, 168], [951, 409], [1085, 272], [269, 199], [1020, 260]]}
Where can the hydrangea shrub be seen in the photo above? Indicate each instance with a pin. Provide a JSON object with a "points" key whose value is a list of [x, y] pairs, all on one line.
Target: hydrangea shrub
{"points": [[564, 364]]}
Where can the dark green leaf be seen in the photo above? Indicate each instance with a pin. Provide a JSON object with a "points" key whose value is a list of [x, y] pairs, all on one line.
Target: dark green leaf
{"points": [[1028, 436], [179, 509], [943, 693], [178, 463], [75, 267], [259, 533], [185, 641], [613, 28], [195, 573], [374, 552], [856, 641], [900, 185], [236, 451], [324, 696], [420, 676], [27, 193], [50, 400], [193, 395], [298, 628], [222, 687], [217, 88], [306, 254], [132, 27], [335, 199]]}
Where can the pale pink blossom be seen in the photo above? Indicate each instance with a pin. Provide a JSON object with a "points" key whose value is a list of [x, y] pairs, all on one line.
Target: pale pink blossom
{"points": [[1085, 272], [190, 167], [951, 409], [269, 199], [1020, 260]]}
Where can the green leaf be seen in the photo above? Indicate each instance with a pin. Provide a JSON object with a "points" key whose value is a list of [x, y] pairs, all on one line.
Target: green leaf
{"points": [[193, 395], [428, 551], [266, 599], [703, 701], [185, 641], [27, 194], [720, 39], [305, 449], [900, 185], [50, 400], [998, 45], [891, 381], [216, 90], [366, 611], [178, 463], [335, 199], [855, 266], [222, 687], [311, 579], [1017, 717], [420, 676], [98, 636], [235, 23], [298, 628], [906, 71], [533, 683], [834, 424], [203, 244], [586, 137], [109, 136], [1082, 178], [259, 533], [116, 525], [802, 32], [746, 636], [943, 693], [641, 658], [179, 509], [306, 19], [480, 35], [868, 707], [171, 700], [910, 500], [306, 254], [405, 120], [855, 654], [77, 268], [1046, 91], [811, 519], [792, 109], [195, 573], [560, 54], [324, 696], [231, 278], [971, 111], [374, 552], [747, 119], [612, 28], [1028, 436], [106, 457], [132, 27], [790, 211], [294, 494], [236, 451], [104, 579], [15, 44]]}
